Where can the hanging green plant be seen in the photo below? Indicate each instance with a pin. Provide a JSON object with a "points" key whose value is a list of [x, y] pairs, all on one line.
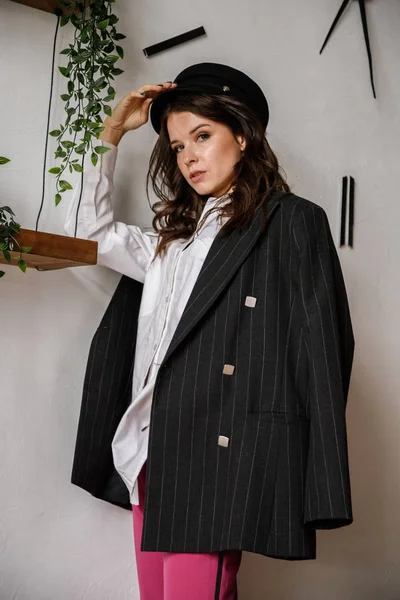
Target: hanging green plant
{"points": [[90, 73], [8, 229]]}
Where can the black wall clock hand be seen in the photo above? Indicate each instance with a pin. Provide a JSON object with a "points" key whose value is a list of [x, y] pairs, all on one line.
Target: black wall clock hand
{"points": [[363, 14]]}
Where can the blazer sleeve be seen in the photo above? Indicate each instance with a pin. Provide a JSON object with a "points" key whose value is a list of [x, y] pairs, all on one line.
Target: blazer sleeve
{"points": [[126, 249], [330, 347]]}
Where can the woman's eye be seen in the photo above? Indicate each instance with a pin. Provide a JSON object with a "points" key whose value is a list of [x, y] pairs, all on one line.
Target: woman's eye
{"points": [[200, 135]]}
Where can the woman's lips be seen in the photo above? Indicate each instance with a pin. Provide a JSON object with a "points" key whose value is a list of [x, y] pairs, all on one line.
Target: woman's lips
{"points": [[197, 177]]}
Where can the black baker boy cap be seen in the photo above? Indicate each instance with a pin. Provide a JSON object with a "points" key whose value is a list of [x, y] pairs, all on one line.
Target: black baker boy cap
{"points": [[213, 78]]}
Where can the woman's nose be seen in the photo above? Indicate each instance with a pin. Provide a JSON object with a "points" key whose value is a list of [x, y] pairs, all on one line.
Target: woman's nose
{"points": [[189, 157]]}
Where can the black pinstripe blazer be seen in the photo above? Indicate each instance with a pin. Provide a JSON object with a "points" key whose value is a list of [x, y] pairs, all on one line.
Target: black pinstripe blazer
{"points": [[247, 440]]}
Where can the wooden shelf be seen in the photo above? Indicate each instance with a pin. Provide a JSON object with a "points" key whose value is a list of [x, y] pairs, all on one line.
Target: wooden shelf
{"points": [[46, 5], [51, 251]]}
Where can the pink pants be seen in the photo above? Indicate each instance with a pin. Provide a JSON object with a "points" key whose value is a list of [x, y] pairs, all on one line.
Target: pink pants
{"points": [[182, 576]]}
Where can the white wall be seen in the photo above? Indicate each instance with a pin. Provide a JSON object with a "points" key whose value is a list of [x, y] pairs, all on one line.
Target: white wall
{"points": [[56, 541]]}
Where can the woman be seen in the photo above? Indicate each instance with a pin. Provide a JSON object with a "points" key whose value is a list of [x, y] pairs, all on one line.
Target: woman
{"points": [[235, 438]]}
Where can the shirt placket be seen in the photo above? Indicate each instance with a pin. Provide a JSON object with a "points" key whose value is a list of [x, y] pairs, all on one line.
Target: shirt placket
{"points": [[168, 299]]}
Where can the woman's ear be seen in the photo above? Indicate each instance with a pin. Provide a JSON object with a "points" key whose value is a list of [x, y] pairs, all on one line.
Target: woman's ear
{"points": [[242, 143]]}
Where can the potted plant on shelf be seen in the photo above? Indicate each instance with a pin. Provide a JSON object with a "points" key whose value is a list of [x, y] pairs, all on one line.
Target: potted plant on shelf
{"points": [[8, 229], [90, 73]]}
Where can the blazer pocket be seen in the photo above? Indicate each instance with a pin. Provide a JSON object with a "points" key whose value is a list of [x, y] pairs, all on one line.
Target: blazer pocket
{"points": [[278, 417]]}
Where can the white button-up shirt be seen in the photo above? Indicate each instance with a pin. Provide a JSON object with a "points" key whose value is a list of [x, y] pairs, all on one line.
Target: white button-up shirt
{"points": [[168, 283]]}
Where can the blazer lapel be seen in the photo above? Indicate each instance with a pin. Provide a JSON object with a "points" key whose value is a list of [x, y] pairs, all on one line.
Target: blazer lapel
{"points": [[222, 261]]}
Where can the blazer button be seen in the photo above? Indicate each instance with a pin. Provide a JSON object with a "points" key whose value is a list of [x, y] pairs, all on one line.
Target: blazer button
{"points": [[228, 369], [223, 441], [250, 301]]}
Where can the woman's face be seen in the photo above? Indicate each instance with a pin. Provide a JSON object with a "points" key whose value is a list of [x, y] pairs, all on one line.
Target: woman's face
{"points": [[201, 144]]}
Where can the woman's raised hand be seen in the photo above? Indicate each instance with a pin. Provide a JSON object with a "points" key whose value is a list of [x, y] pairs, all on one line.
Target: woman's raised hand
{"points": [[133, 110]]}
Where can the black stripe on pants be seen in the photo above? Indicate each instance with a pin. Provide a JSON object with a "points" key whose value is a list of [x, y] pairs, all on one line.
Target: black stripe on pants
{"points": [[219, 576]]}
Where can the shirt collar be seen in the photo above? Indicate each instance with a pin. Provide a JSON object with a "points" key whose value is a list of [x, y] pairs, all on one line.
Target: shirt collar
{"points": [[223, 199]]}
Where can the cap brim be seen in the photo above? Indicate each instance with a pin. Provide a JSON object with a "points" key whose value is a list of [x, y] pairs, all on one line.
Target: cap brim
{"points": [[160, 103]]}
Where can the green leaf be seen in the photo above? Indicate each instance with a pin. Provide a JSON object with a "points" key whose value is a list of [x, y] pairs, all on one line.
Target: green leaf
{"points": [[7, 255], [107, 110], [55, 132], [119, 36], [103, 24], [68, 144], [117, 71], [4, 160], [101, 149], [113, 19], [112, 58], [70, 86], [109, 48], [22, 265], [78, 168], [64, 20], [6, 209], [84, 35], [94, 158], [65, 185], [58, 198], [65, 51], [55, 170], [65, 97], [26, 248], [64, 71], [75, 21], [99, 82], [79, 59], [120, 51]]}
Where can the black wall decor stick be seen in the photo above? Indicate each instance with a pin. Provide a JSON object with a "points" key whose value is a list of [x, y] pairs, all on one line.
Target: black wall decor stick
{"points": [[363, 14], [351, 212], [343, 212], [174, 41], [347, 208]]}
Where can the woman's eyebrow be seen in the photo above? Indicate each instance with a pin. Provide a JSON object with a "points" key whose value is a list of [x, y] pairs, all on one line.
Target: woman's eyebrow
{"points": [[193, 130]]}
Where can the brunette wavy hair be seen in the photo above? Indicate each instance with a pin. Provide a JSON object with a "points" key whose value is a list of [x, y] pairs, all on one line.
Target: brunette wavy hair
{"points": [[256, 176]]}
